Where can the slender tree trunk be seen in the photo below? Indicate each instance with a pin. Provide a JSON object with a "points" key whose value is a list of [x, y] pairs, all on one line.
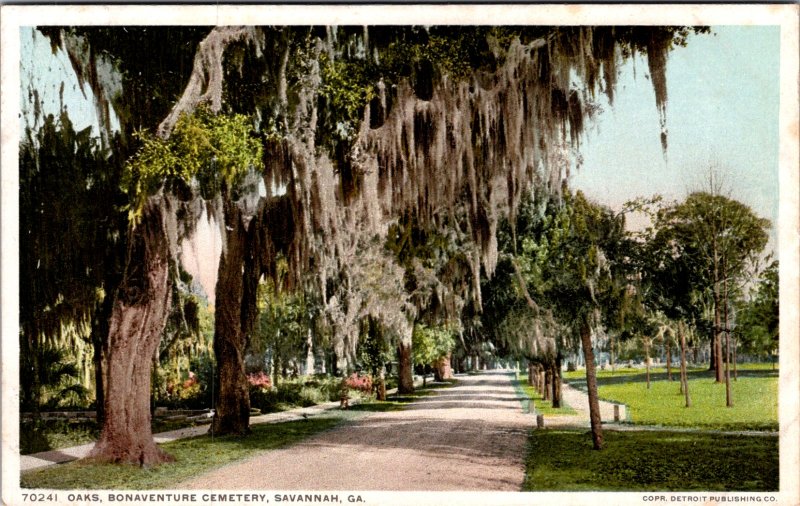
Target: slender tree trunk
{"points": [[613, 355], [34, 395], [712, 362], [542, 382], [381, 391], [647, 362], [591, 386], [548, 382], [669, 361], [684, 372], [310, 353], [405, 366], [233, 405], [717, 337], [728, 393], [99, 381], [557, 381], [276, 369], [137, 322]]}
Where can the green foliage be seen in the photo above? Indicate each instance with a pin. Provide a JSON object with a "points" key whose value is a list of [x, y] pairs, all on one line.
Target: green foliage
{"points": [[570, 255], [375, 349], [561, 460], [758, 321], [708, 232], [294, 393], [431, 343], [72, 238], [346, 89], [57, 377], [283, 323], [217, 150]]}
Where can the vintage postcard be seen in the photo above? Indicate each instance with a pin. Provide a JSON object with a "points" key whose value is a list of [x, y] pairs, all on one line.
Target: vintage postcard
{"points": [[400, 254]]}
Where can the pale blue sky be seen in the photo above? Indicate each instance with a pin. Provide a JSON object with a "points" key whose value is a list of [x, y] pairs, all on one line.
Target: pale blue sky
{"points": [[723, 104]]}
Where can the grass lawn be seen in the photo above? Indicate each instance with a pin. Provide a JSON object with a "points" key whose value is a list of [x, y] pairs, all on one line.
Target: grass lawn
{"points": [[543, 407], [755, 397], [670, 461]]}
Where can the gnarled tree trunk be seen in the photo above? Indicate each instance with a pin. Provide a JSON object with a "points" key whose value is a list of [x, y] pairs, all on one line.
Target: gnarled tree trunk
{"points": [[137, 322], [233, 406], [591, 387]]}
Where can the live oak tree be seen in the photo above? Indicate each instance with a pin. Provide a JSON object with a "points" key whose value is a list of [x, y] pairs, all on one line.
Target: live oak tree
{"points": [[357, 126]]}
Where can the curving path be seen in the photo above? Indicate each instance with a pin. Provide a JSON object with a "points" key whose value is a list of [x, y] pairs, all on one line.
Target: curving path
{"points": [[469, 437]]}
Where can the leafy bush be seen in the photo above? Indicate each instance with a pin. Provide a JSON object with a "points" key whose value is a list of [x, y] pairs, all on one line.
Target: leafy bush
{"points": [[299, 392]]}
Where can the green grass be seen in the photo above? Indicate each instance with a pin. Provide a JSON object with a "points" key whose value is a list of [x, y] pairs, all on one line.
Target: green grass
{"points": [[193, 456], [54, 434], [543, 407], [653, 461], [57, 434], [755, 397]]}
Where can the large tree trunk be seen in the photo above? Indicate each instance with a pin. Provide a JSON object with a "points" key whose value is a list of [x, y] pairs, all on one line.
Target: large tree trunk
{"points": [[137, 322], [591, 386], [442, 369], [233, 406], [405, 372]]}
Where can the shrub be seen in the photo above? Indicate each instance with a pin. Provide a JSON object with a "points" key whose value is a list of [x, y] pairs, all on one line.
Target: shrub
{"points": [[259, 380], [360, 383]]}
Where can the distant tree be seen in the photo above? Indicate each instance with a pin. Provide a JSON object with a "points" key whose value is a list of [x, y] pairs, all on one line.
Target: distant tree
{"points": [[568, 269], [757, 322], [713, 239]]}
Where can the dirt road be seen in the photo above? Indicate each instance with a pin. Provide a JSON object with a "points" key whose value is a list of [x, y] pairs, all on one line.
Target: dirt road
{"points": [[469, 437]]}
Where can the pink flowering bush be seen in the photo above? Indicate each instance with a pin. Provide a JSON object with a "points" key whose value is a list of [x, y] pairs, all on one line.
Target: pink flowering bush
{"points": [[361, 383], [259, 380]]}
